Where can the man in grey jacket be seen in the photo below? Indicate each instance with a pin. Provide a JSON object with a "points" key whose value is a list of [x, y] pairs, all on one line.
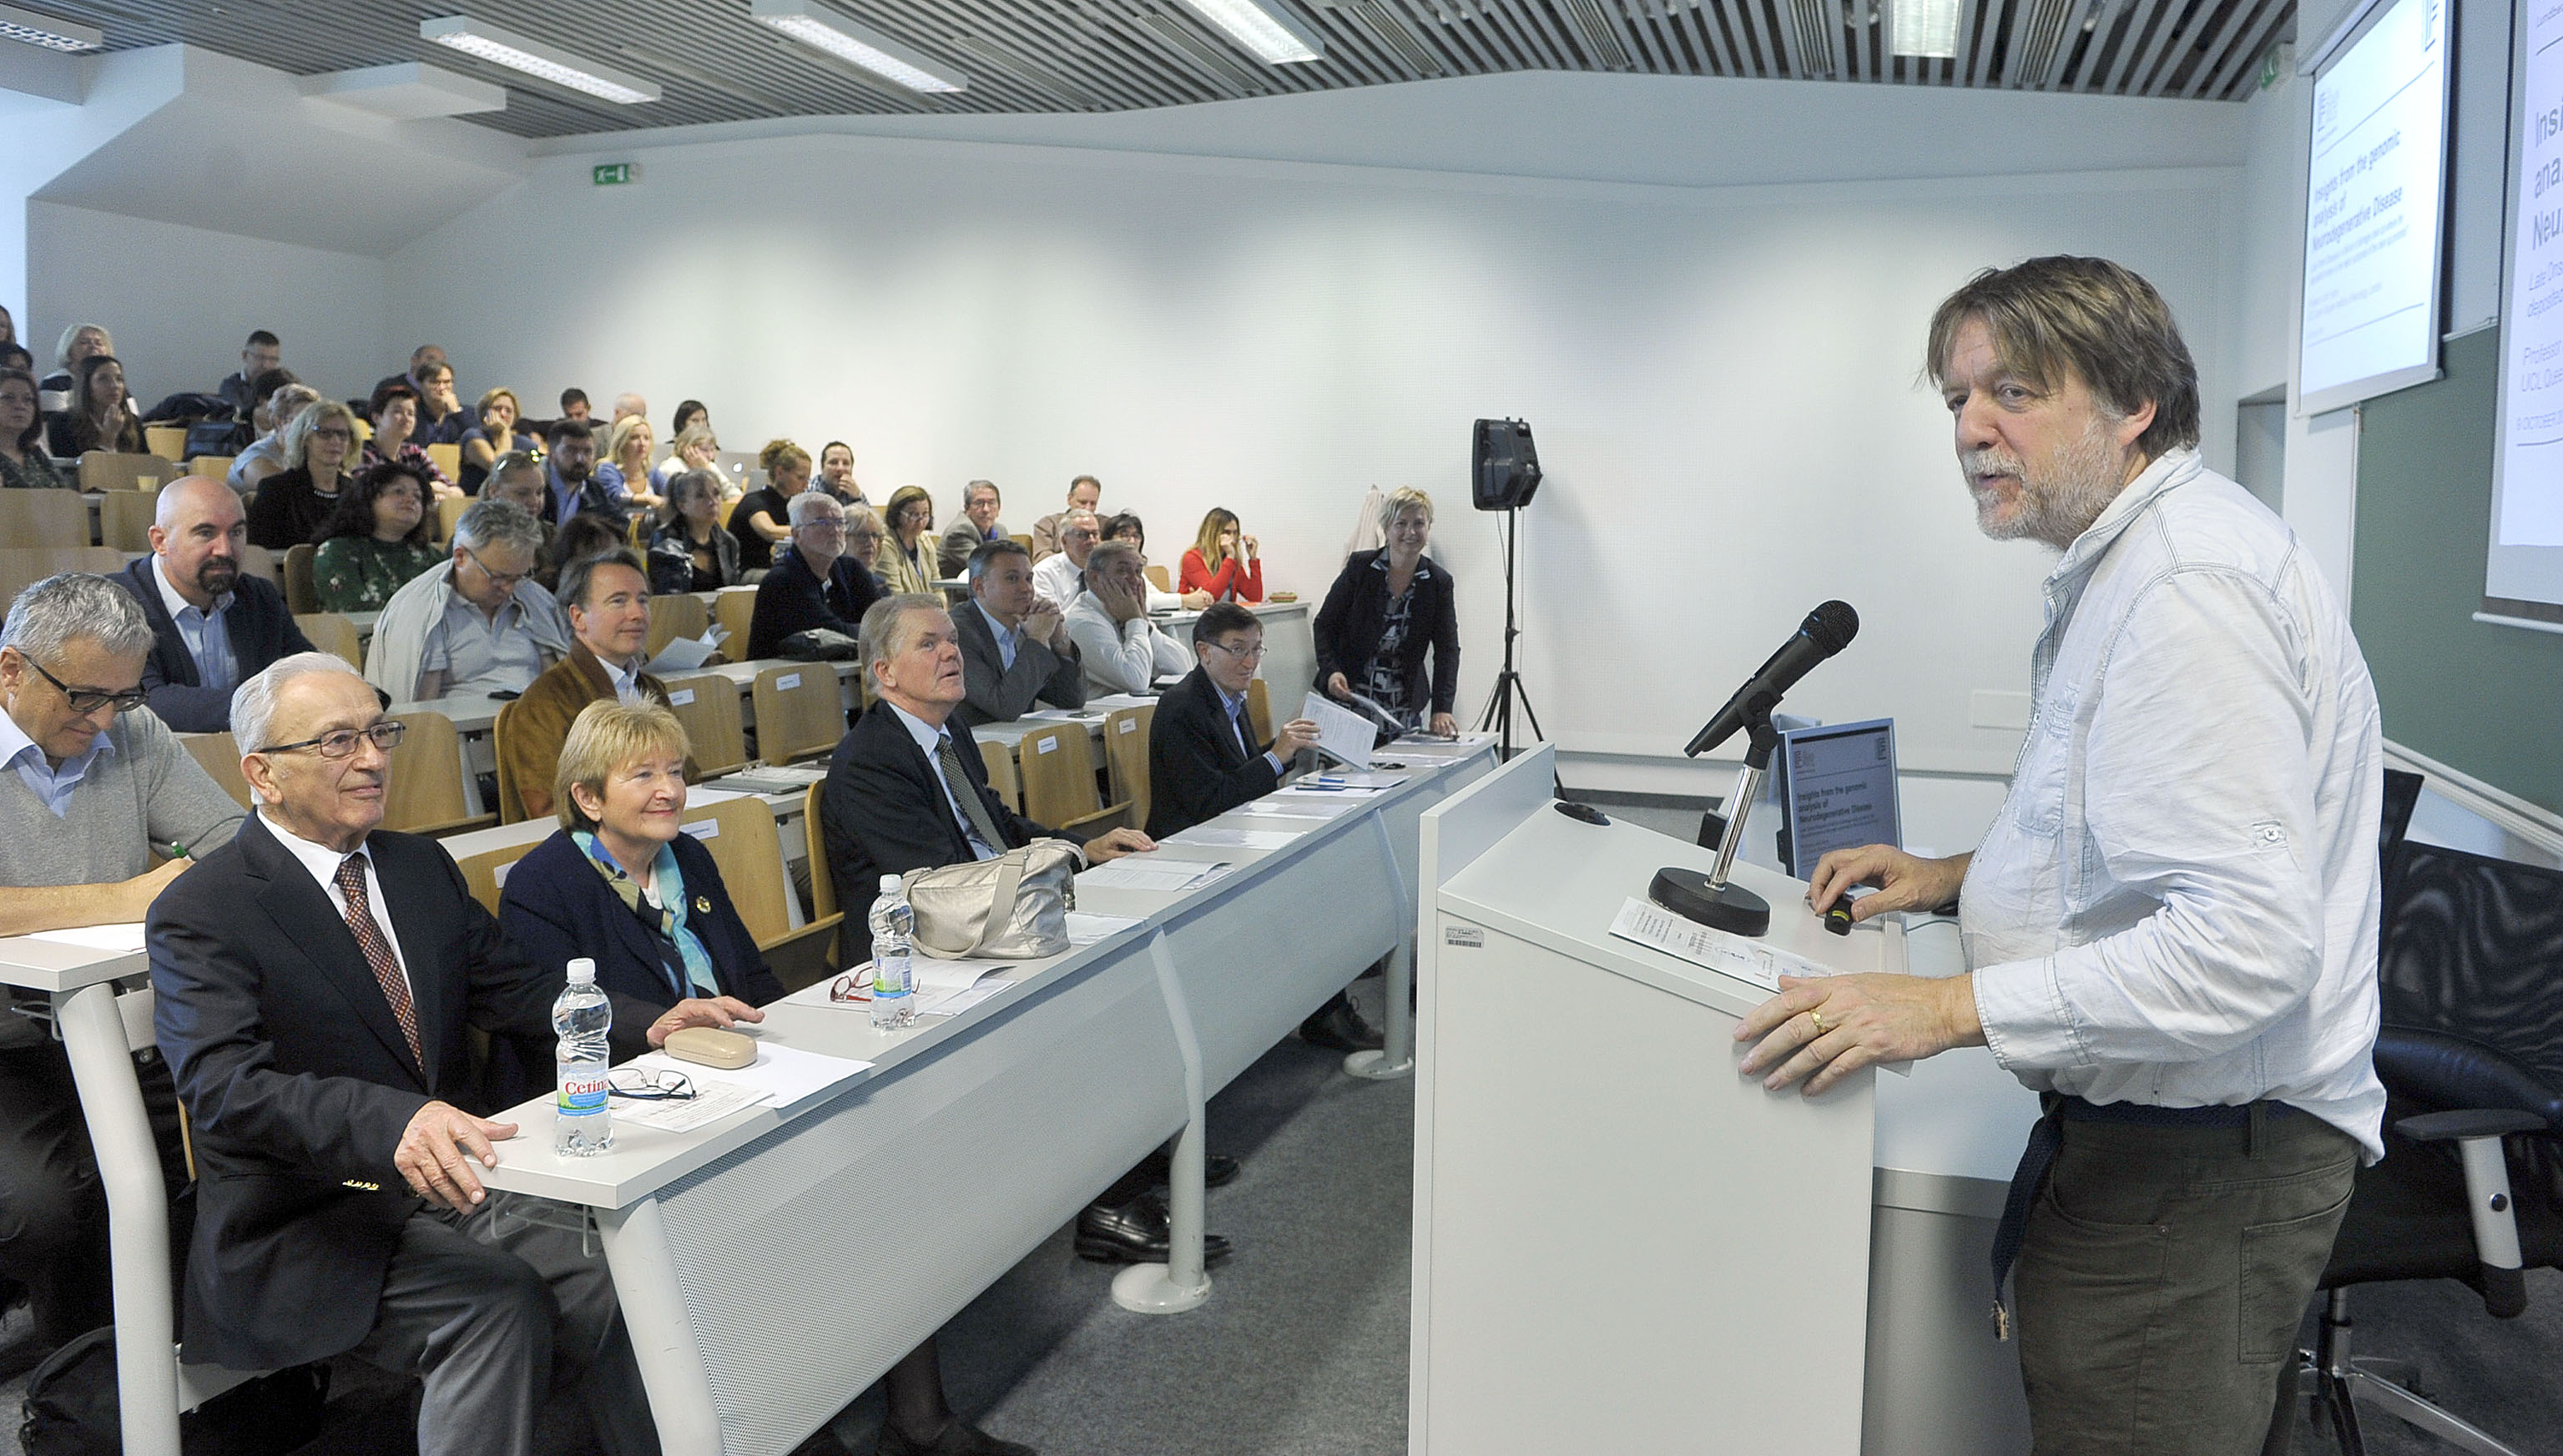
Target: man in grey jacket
{"points": [[96, 787], [1015, 646]]}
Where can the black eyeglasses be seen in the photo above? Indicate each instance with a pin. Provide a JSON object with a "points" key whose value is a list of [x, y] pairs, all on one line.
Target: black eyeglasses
{"points": [[648, 1084], [90, 699], [386, 735], [496, 578]]}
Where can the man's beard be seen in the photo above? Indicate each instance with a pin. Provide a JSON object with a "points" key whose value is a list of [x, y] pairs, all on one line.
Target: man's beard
{"points": [[2056, 502], [214, 578]]}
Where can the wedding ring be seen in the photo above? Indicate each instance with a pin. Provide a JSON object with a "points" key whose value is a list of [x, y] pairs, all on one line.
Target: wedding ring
{"points": [[1819, 1018]]}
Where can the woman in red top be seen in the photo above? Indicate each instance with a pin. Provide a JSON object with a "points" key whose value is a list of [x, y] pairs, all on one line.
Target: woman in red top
{"points": [[1214, 564]]}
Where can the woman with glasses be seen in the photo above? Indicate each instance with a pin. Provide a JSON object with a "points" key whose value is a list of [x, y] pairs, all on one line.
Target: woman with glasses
{"points": [[375, 541], [494, 435], [915, 554], [690, 552], [1215, 563], [1386, 613], [100, 416], [296, 502], [24, 464]]}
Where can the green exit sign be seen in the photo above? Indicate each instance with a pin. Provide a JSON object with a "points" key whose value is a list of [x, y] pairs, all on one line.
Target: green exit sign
{"points": [[610, 174]]}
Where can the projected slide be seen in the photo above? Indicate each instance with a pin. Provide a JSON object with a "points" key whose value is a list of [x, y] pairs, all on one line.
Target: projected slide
{"points": [[2371, 320], [2531, 466]]}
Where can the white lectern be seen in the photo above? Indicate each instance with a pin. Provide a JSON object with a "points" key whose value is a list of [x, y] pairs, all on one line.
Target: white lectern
{"points": [[1620, 1242]]}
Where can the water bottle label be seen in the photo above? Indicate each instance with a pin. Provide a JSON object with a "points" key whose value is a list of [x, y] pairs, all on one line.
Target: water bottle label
{"points": [[582, 1094]]}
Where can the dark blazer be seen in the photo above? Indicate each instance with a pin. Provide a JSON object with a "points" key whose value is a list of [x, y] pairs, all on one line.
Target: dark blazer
{"points": [[287, 512], [1001, 694], [261, 629], [556, 907], [1356, 612], [792, 599], [1195, 770], [299, 1083], [883, 812]]}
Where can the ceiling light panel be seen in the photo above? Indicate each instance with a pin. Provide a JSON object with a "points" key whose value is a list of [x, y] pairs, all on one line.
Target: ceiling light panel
{"points": [[1925, 28], [28, 28], [489, 43], [1267, 30], [823, 29]]}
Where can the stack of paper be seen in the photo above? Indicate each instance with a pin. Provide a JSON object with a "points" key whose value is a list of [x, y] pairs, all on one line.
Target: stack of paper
{"points": [[1220, 836], [1653, 925], [1342, 733], [1085, 928], [1142, 872], [781, 1076], [685, 654]]}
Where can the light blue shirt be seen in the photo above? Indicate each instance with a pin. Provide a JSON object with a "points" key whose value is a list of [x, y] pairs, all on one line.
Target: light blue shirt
{"points": [[928, 736], [207, 636], [52, 784], [1235, 703], [1007, 639], [626, 680]]}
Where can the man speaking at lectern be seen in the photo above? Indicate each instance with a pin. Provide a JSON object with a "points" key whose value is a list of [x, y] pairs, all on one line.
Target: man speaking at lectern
{"points": [[2170, 929]]}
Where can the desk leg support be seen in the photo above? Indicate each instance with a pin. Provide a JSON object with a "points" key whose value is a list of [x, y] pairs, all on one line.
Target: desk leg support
{"points": [[663, 1332], [1181, 1283], [138, 1218], [1396, 1057]]}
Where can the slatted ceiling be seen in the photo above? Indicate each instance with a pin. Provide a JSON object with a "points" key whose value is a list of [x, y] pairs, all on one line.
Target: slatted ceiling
{"points": [[716, 65]]}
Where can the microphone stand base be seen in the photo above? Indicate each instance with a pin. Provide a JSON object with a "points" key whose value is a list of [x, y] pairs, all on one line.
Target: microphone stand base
{"points": [[1728, 907]]}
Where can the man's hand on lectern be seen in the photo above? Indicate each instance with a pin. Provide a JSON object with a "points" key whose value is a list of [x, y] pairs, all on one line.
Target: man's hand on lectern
{"points": [[1904, 881], [1827, 1027]]}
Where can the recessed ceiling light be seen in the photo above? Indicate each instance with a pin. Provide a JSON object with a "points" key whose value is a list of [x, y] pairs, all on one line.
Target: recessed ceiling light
{"points": [[28, 28], [1267, 29], [823, 29], [504, 47], [1924, 28]]}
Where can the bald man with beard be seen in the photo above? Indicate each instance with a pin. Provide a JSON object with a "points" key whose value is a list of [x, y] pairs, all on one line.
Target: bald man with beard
{"points": [[212, 627]]}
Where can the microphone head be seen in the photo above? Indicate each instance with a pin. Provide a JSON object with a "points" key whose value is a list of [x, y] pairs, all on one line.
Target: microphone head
{"points": [[1832, 627]]}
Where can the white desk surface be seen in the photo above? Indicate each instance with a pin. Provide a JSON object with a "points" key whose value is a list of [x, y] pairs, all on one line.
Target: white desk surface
{"points": [[645, 1160], [42, 965]]}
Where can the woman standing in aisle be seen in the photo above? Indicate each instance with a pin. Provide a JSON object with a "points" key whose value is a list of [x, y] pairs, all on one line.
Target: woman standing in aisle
{"points": [[1384, 614], [1214, 565]]}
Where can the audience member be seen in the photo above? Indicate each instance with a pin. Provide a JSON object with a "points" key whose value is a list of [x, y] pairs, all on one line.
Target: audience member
{"points": [[629, 444], [8, 328], [574, 406], [292, 504], [1060, 576], [629, 405], [576, 487], [579, 537], [98, 791], [375, 541], [517, 478], [607, 597], [977, 526], [911, 560], [1085, 493], [441, 420], [15, 356], [258, 356], [100, 415], [1126, 527], [1386, 611], [395, 412], [211, 625], [690, 552], [496, 435], [1015, 646], [1119, 648], [837, 473], [1203, 759], [1214, 565], [338, 1213], [689, 414], [762, 519], [696, 448], [474, 624], [24, 465], [421, 360], [78, 342], [264, 456], [814, 587]]}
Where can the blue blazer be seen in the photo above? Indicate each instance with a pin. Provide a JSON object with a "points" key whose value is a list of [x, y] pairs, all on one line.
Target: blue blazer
{"points": [[556, 908]]}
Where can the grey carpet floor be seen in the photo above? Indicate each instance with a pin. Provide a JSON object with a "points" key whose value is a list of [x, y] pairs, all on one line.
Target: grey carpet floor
{"points": [[1301, 1349]]}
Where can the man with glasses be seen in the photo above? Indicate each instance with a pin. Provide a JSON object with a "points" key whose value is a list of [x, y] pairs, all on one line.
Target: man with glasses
{"points": [[1062, 575], [811, 602], [94, 791], [473, 624], [211, 625], [1015, 648], [316, 982], [977, 527]]}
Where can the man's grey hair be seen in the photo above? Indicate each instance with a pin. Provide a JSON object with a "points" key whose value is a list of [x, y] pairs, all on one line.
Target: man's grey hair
{"points": [[984, 560], [254, 701], [971, 492], [810, 503], [1105, 553], [885, 632], [628, 403], [509, 464], [51, 614], [1067, 517], [499, 523]]}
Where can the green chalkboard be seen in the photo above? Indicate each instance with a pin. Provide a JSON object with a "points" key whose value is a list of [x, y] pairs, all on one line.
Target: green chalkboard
{"points": [[2483, 699]]}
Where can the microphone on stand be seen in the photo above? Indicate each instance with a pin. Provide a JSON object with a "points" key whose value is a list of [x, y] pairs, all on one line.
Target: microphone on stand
{"points": [[1710, 899]]}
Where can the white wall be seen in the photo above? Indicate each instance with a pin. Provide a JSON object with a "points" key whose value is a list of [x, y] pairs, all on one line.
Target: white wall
{"points": [[180, 300], [1723, 378]]}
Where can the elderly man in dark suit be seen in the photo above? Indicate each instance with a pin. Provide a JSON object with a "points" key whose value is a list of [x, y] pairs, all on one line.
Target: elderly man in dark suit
{"points": [[1015, 647], [211, 627], [315, 980]]}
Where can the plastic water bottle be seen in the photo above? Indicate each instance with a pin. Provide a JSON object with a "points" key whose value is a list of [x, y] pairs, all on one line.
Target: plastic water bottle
{"points": [[893, 977], [584, 1126]]}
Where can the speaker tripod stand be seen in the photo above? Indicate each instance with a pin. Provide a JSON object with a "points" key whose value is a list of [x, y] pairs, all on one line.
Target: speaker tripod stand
{"points": [[1508, 684]]}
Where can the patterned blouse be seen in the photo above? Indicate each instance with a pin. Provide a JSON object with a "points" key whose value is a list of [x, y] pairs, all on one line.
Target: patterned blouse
{"points": [[1385, 683], [359, 573], [35, 472]]}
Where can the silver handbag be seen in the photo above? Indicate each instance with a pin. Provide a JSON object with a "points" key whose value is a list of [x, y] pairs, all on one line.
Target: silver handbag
{"points": [[1012, 907]]}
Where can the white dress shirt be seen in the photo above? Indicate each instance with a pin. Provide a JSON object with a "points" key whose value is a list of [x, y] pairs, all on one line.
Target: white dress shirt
{"points": [[1058, 579], [1126, 656], [2178, 903], [323, 862]]}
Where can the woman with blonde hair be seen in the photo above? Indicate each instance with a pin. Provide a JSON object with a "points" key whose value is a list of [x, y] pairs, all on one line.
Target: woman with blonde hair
{"points": [[695, 447], [628, 448], [912, 554], [1213, 564], [295, 503], [762, 518], [1388, 611]]}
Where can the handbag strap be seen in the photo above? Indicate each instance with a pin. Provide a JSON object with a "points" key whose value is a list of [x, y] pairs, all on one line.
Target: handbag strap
{"points": [[1001, 899]]}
